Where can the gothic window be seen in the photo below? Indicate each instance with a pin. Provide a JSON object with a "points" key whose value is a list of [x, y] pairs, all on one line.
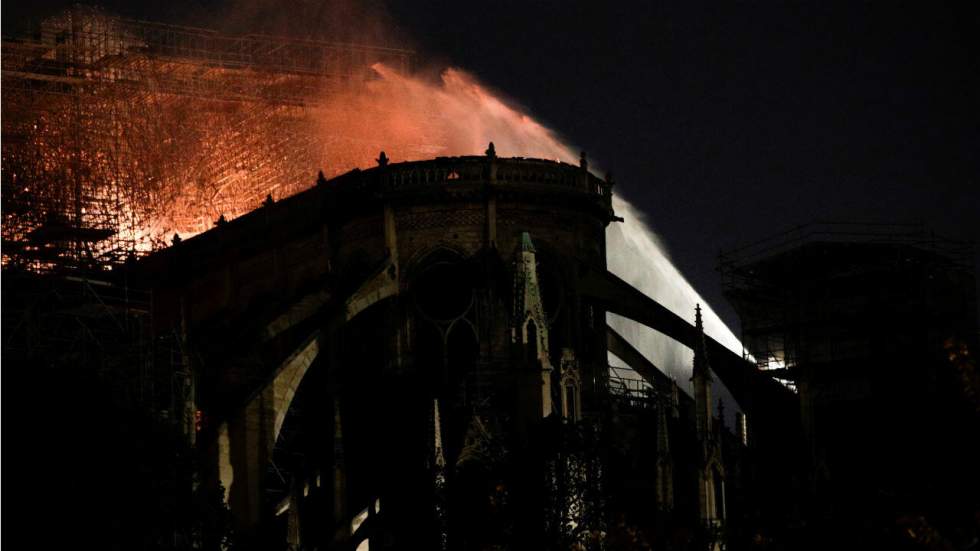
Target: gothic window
{"points": [[444, 291], [571, 402], [532, 341], [446, 344], [719, 494]]}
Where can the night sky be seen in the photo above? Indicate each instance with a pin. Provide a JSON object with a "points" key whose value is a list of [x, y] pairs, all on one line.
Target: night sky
{"points": [[725, 122], [731, 122]]}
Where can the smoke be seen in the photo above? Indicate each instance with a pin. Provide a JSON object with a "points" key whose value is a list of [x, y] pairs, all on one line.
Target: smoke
{"points": [[637, 255], [412, 117], [188, 162], [337, 21], [659, 279], [457, 115]]}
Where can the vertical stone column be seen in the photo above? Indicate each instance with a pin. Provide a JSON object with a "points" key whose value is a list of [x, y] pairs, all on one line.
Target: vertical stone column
{"points": [[250, 436], [491, 199], [340, 514]]}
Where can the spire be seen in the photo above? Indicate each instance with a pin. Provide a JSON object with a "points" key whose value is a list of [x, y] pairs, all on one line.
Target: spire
{"points": [[491, 151], [530, 324], [701, 377], [439, 458], [707, 431], [526, 244], [701, 366], [382, 159], [527, 297]]}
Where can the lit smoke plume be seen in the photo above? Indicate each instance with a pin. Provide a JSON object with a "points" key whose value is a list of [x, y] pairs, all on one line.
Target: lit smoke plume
{"points": [[411, 118], [165, 162], [469, 116]]}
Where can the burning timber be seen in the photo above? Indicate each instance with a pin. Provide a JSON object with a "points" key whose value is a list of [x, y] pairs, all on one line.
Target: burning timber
{"points": [[413, 355], [119, 133]]}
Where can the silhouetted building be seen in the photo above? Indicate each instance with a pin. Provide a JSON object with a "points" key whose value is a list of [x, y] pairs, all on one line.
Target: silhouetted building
{"points": [[868, 325], [413, 356]]}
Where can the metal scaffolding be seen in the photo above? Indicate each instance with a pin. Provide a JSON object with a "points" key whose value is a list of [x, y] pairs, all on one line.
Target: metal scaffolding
{"points": [[119, 133], [800, 294]]}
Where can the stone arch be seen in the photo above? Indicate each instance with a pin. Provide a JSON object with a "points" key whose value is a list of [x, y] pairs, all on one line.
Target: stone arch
{"points": [[288, 378], [712, 477], [245, 441], [426, 256], [285, 380], [268, 406], [462, 324]]}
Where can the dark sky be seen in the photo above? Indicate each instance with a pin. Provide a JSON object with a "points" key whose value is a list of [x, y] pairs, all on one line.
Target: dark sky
{"points": [[726, 122], [732, 121]]}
